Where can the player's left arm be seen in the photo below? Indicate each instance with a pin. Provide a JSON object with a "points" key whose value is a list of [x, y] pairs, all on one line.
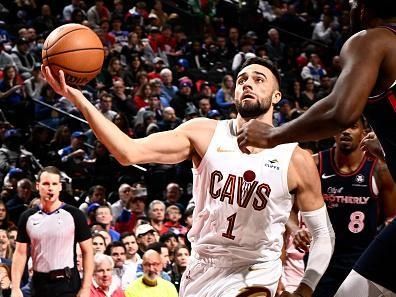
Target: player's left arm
{"points": [[304, 181], [387, 190]]}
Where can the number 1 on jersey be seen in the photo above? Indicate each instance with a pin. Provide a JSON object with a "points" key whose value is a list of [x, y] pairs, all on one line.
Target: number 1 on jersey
{"points": [[231, 222]]}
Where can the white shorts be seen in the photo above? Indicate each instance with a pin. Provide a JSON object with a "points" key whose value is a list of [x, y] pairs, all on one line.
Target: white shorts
{"points": [[204, 278]]}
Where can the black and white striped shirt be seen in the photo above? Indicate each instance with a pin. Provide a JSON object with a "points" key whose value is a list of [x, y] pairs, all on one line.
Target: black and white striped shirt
{"points": [[53, 236]]}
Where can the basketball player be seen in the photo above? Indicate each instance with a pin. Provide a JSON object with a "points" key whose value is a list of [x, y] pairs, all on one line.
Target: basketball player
{"points": [[359, 193], [367, 84], [242, 202]]}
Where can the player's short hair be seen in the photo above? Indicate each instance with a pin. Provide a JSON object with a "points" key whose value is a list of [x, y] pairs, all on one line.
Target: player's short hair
{"points": [[381, 8], [49, 169], [267, 63]]}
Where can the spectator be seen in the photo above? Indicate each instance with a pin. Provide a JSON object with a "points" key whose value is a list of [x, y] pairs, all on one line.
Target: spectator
{"points": [[103, 284], [169, 121], [173, 195], [5, 280], [276, 49], [104, 217], [105, 106], [19, 203], [132, 257], [5, 222], [126, 222], [156, 214], [181, 257], [225, 95], [96, 195], [98, 243], [171, 241], [144, 237], [6, 250], [313, 70], [173, 217], [5, 58], [117, 251], [23, 60], [68, 10], [124, 194], [97, 13], [35, 83], [183, 97], [151, 283], [308, 95]]}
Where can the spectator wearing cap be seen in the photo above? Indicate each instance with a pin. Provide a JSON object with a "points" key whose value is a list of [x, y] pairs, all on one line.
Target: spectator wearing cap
{"points": [[170, 121], [214, 114], [183, 97], [252, 37], [204, 91], [168, 90], [245, 53], [181, 69], [23, 59], [159, 13], [283, 115], [144, 236], [154, 39], [173, 217], [158, 63], [191, 112], [134, 209], [34, 85], [102, 283]]}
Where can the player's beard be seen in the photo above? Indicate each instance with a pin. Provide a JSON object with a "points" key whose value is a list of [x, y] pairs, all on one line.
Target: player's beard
{"points": [[253, 108]]}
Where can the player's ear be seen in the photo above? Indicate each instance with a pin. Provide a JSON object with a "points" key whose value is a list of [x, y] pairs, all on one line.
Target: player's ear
{"points": [[276, 97]]}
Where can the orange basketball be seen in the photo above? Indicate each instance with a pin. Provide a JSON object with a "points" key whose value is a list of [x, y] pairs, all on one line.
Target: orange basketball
{"points": [[75, 49]]}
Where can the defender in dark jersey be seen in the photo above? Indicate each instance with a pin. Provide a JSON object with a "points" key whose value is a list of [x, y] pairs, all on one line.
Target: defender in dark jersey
{"points": [[52, 232], [368, 69], [359, 193]]}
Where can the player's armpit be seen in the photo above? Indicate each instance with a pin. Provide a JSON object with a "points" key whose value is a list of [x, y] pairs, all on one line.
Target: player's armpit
{"points": [[304, 181]]}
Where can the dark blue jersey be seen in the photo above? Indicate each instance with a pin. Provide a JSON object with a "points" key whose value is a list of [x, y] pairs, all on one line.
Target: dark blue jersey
{"points": [[380, 112], [351, 204]]}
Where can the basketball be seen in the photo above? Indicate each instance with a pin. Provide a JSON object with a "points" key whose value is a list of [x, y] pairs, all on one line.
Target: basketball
{"points": [[75, 49]]}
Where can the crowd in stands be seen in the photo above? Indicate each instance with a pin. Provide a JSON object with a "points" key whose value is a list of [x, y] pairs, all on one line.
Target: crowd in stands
{"points": [[166, 62]]}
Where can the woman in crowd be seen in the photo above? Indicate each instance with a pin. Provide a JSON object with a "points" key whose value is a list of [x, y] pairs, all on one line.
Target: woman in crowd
{"points": [[181, 256], [98, 243]]}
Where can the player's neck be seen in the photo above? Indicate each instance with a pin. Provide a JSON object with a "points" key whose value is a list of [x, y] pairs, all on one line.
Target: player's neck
{"points": [[265, 118], [347, 163], [50, 206]]}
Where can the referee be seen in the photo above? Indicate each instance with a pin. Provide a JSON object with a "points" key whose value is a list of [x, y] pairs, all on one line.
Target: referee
{"points": [[52, 231]]}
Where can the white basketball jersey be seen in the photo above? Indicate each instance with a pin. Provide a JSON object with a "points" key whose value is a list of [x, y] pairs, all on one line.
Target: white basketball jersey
{"points": [[242, 201]]}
